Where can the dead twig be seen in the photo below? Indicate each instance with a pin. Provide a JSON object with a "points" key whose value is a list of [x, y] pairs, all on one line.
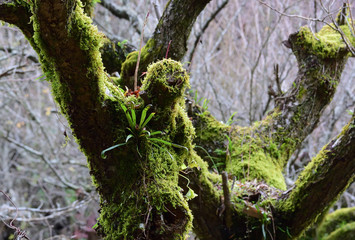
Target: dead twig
{"points": [[20, 233], [139, 54]]}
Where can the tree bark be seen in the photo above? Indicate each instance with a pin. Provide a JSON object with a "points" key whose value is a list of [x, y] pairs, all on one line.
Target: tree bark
{"points": [[148, 168]]}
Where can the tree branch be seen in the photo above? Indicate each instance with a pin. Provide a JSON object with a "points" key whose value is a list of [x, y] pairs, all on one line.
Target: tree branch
{"points": [[123, 13], [19, 15], [175, 25], [205, 26], [324, 178]]}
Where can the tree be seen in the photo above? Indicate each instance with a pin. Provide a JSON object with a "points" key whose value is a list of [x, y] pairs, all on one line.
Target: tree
{"points": [[140, 143]]}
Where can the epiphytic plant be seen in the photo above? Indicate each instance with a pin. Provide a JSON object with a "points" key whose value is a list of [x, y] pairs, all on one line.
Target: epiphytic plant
{"points": [[138, 131]]}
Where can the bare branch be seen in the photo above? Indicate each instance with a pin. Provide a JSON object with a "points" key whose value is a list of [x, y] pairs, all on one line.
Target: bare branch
{"points": [[123, 12], [205, 26], [41, 156]]}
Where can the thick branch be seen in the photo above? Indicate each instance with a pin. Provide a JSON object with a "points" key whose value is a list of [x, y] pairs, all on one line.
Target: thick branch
{"points": [[327, 176], [114, 53], [18, 15], [321, 62], [175, 25], [320, 67], [69, 54], [123, 12]]}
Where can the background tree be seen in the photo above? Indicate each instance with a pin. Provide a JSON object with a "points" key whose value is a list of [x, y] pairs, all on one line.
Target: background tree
{"points": [[140, 182]]}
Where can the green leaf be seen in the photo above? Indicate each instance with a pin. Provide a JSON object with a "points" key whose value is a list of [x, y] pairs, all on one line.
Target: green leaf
{"points": [[41, 78], [168, 143], [144, 132], [130, 121], [110, 148], [230, 144], [95, 226], [144, 113], [147, 120], [263, 230], [161, 141], [190, 194], [205, 104], [230, 120], [183, 166], [210, 157], [129, 118], [124, 107], [179, 146], [133, 114], [129, 137], [350, 112], [156, 133]]}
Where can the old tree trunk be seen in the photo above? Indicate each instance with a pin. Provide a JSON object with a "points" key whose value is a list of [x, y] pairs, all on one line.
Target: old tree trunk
{"points": [[155, 184]]}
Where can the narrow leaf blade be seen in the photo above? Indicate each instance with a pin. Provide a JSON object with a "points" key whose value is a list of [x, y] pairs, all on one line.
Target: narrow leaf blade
{"points": [[110, 148]]}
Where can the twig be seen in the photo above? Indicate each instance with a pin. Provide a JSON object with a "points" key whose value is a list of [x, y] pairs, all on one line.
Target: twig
{"points": [[329, 14], [277, 78], [167, 51], [293, 15], [156, 9], [123, 13], [50, 213], [139, 54], [205, 26], [20, 233], [352, 20], [41, 155], [227, 200]]}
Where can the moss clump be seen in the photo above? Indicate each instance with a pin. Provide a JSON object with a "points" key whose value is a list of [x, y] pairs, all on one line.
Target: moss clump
{"points": [[340, 222], [169, 82], [346, 231], [149, 53], [257, 154], [153, 193], [327, 43]]}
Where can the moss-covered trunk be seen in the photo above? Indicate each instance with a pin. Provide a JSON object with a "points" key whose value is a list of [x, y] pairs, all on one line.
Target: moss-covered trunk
{"points": [[147, 157]]}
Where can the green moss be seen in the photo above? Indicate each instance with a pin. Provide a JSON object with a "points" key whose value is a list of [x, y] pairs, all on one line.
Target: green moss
{"points": [[259, 156], [346, 231], [154, 193], [256, 152], [301, 93], [149, 53], [169, 84], [335, 221], [81, 30], [327, 43]]}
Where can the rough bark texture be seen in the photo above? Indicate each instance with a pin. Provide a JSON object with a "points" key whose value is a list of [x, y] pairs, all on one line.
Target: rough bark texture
{"points": [[148, 182]]}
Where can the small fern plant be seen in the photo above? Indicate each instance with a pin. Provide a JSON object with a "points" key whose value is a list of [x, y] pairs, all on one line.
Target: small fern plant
{"points": [[138, 131]]}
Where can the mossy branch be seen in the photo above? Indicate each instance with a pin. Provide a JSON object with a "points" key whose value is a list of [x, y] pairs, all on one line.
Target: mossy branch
{"points": [[175, 24], [319, 185], [19, 15], [227, 200]]}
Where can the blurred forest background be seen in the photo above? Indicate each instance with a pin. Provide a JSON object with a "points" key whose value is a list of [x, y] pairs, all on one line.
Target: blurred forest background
{"points": [[233, 50]]}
